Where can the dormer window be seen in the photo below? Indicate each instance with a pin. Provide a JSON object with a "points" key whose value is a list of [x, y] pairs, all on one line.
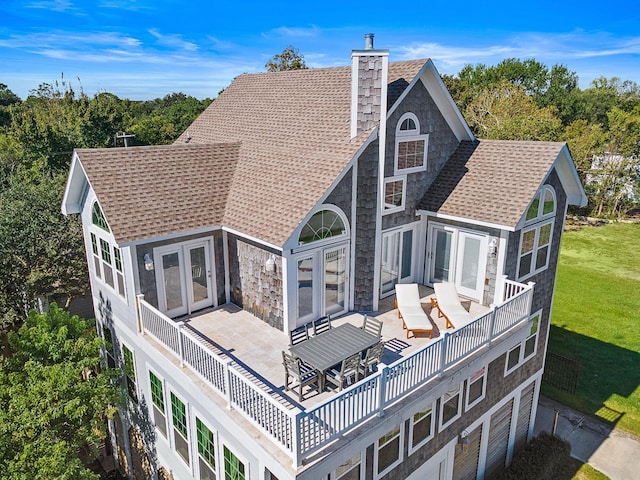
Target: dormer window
{"points": [[535, 242], [411, 146], [97, 218]]}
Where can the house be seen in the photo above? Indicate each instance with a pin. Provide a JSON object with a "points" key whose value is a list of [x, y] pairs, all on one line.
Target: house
{"points": [[308, 193]]}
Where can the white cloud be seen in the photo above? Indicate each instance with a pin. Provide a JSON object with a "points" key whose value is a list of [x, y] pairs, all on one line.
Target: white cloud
{"points": [[294, 32], [173, 40]]}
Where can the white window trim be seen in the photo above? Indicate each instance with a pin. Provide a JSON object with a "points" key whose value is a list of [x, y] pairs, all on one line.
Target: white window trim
{"points": [[334, 475], [521, 358], [401, 207], [407, 136], [167, 407], [442, 426], [394, 464], [468, 389], [413, 448], [99, 276], [123, 365], [534, 251], [542, 216]]}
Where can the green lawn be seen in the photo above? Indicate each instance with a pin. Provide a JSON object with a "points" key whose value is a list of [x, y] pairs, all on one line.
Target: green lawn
{"points": [[596, 321]]}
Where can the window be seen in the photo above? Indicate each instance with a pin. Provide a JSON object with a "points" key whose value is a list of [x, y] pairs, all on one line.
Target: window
{"points": [[323, 224], [450, 407], [476, 387], [107, 258], [393, 195], [421, 428], [206, 451], [180, 431], [233, 468], [388, 451], [349, 470], [108, 345], [130, 373], [537, 233], [526, 349], [411, 146], [157, 399]]}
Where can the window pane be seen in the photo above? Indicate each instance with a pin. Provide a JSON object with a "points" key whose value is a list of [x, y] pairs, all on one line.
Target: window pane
{"points": [[179, 415], [407, 248], [199, 282], [450, 408], [233, 467], [206, 444], [421, 426], [305, 287], [541, 257], [513, 358], [350, 470], [475, 390], [545, 234], [129, 367], [335, 265], [94, 244], [118, 258], [532, 212], [106, 251], [390, 260], [172, 282], [410, 154], [96, 262], [443, 255], [393, 194], [530, 346], [388, 449], [470, 263], [525, 264], [528, 239], [97, 217], [323, 224], [549, 204], [157, 394]]}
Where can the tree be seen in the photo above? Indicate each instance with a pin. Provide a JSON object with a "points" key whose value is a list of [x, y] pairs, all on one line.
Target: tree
{"points": [[289, 59], [7, 98], [506, 112], [41, 250], [54, 401]]}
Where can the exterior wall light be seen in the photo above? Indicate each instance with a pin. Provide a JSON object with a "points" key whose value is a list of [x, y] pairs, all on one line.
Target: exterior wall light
{"points": [[493, 247], [463, 438], [148, 262], [270, 264]]}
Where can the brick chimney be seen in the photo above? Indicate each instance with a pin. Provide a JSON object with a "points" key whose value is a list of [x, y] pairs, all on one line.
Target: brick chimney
{"points": [[369, 74]]}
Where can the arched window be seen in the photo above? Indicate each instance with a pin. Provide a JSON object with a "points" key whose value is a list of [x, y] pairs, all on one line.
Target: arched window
{"points": [[323, 224], [535, 241], [411, 146]]}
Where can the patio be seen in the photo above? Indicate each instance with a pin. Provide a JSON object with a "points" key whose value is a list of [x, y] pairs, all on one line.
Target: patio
{"points": [[255, 347]]}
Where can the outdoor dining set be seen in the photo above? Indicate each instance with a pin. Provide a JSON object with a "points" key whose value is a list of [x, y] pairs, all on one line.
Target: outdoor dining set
{"points": [[321, 353]]}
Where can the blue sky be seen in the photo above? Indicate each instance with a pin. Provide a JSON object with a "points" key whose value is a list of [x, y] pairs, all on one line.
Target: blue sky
{"points": [[142, 49]]}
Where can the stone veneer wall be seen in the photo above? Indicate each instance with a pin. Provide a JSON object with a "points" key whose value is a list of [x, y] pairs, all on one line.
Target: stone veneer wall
{"points": [[252, 287]]}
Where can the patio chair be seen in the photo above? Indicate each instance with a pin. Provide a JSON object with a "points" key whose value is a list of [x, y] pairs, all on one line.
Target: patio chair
{"points": [[298, 335], [372, 325], [410, 310], [301, 373], [349, 367], [371, 359], [321, 325], [449, 306]]}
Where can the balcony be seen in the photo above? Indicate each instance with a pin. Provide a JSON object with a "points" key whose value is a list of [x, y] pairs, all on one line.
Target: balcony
{"points": [[239, 358]]}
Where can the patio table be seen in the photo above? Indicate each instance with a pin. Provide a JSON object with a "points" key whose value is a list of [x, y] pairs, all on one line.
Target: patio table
{"points": [[329, 348]]}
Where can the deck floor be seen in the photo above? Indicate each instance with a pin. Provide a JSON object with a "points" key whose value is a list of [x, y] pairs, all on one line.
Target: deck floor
{"points": [[255, 347]]}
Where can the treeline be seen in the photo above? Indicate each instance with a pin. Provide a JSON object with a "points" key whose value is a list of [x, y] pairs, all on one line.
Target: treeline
{"points": [[41, 251], [526, 100]]}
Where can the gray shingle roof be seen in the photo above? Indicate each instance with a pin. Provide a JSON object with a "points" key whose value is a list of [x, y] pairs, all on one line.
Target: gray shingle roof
{"points": [[486, 180], [257, 160]]}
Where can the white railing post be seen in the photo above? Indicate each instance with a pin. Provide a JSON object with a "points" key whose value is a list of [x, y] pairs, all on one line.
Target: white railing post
{"points": [[443, 354], [139, 298], [180, 343], [227, 384], [296, 441], [500, 289], [530, 299], [492, 325], [382, 388]]}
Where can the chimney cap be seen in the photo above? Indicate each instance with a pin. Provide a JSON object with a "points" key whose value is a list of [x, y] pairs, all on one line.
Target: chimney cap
{"points": [[368, 41]]}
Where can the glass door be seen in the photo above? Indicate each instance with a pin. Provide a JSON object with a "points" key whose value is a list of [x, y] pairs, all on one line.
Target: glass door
{"points": [[470, 268], [305, 288], [184, 278], [396, 265], [441, 254], [335, 280]]}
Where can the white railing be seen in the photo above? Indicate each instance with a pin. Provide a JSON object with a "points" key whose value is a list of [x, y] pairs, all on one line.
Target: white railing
{"points": [[301, 432]]}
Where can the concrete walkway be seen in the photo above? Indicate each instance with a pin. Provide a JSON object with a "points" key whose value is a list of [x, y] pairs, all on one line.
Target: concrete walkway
{"points": [[612, 452]]}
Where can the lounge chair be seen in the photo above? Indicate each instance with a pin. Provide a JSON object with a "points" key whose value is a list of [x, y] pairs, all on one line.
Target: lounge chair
{"points": [[410, 310], [449, 306]]}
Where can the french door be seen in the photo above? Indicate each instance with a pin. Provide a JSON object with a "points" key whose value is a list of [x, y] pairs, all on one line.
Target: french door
{"points": [[396, 265], [322, 282], [183, 277], [458, 256]]}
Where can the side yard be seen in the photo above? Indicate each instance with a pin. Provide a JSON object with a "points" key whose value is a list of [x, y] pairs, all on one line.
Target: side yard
{"points": [[596, 322]]}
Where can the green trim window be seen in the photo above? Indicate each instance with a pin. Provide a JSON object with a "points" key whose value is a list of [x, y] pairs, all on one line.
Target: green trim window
{"points": [[157, 399], [97, 218], [108, 263], [130, 373], [233, 468], [180, 429], [206, 451], [108, 345], [323, 224]]}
